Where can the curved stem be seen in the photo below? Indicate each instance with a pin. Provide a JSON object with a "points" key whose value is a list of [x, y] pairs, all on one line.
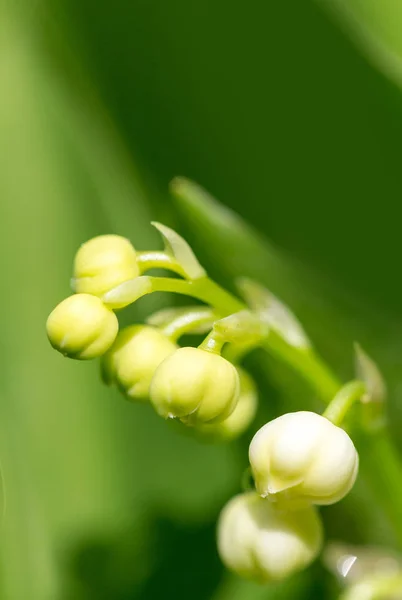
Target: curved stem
{"points": [[344, 400], [158, 260], [212, 343], [203, 289]]}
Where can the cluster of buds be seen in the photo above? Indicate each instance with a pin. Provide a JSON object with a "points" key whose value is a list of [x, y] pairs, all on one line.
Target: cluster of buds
{"points": [[298, 461], [197, 386]]}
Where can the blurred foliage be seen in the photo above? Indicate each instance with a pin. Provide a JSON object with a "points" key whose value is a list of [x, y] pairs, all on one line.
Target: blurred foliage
{"points": [[269, 105]]}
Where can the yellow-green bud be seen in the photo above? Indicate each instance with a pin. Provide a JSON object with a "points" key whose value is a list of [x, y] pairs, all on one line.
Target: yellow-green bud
{"points": [[82, 327], [103, 263], [259, 541], [242, 415], [196, 386], [134, 357], [301, 458]]}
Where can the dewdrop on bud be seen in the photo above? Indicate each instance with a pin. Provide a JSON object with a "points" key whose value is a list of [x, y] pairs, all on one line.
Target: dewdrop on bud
{"points": [[134, 357], [241, 417], [259, 541], [195, 386], [82, 327], [301, 458], [103, 263]]}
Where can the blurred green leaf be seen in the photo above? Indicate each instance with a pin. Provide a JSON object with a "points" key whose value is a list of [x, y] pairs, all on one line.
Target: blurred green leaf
{"points": [[375, 27], [80, 464]]}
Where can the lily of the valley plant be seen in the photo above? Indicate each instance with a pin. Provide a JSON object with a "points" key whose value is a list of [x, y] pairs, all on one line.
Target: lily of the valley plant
{"points": [[298, 461]]}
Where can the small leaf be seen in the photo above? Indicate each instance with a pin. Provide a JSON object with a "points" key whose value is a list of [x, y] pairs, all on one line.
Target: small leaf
{"points": [[273, 312], [165, 315], [179, 249], [368, 371], [203, 318], [128, 292]]}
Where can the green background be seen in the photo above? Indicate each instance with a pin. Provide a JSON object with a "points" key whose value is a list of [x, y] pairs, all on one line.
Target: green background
{"points": [[291, 114]]}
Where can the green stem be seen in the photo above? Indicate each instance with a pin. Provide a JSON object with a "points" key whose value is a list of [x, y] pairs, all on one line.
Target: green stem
{"points": [[158, 260], [212, 343], [203, 289], [344, 400]]}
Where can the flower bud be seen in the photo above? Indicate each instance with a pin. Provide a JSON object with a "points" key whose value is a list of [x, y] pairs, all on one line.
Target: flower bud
{"points": [[242, 415], [133, 358], [82, 327], [103, 263], [196, 386], [302, 458], [259, 541]]}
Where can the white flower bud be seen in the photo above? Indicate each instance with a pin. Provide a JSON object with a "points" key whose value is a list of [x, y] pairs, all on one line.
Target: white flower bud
{"points": [[302, 458], [103, 263], [259, 541], [242, 415], [196, 386], [134, 357], [82, 327]]}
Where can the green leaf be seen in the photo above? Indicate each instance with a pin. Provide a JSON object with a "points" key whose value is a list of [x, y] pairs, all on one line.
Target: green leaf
{"points": [[367, 370], [273, 312], [204, 318], [374, 26], [373, 412], [179, 249]]}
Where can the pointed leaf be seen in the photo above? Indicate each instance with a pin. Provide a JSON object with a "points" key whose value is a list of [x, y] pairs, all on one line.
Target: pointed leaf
{"points": [[368, 371], [177, 247], [273, 312], [163, 317], [128, 292]]}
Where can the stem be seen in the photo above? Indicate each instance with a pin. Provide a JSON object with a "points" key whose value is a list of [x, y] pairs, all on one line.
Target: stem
{"points": [[203, 289], [339, 407], [158, 260], [212, 343]]}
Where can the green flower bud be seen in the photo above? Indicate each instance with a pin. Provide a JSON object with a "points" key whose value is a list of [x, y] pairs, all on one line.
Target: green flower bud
{"points": [[301, 458], [82, 327], [103, 263], [196, 386], [134, 357], [259, 541], [242, 415]]}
